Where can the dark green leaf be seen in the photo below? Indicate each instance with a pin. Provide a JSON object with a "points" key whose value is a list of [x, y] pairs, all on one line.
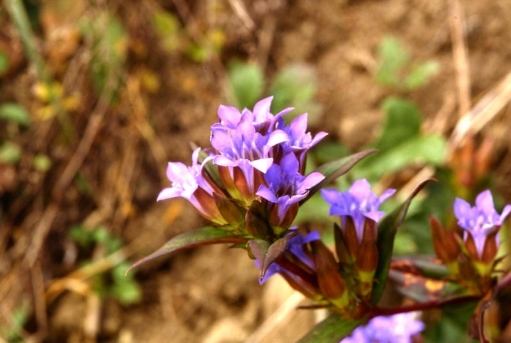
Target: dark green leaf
{"points": [[14, 113], [335, 169], [265, 253], [189, 239], [387, 230], [331, 330]]}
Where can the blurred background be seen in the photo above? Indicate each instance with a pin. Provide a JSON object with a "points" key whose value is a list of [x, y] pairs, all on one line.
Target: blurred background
{"points": [[97, 96]]}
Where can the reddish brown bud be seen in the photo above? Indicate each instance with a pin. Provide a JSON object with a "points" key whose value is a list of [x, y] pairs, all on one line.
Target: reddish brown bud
{"points": [[330, 281], [446, 242]]}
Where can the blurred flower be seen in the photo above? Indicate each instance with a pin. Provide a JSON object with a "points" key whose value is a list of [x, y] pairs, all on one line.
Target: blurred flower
{"points": [[358, 203], [481, 224], [398, 328], [286, 188]]}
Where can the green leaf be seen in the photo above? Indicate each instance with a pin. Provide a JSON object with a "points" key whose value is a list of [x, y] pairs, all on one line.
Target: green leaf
{"points": [[10, 153], [331, 330], [387, 230], [335, 169], [429, 149], [420, 74], [265, 253], [295, 85], [14, 113], [392, 58], [246, 83], [402, 122], [189, 239], [4, 63]]}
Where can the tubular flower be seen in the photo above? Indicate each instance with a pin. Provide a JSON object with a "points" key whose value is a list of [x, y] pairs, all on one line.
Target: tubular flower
{"points": [[399, 328], [480, 224], [248, 143], [191, 184], [356, 245], [286, 188], [359, 203], [296, 265]]}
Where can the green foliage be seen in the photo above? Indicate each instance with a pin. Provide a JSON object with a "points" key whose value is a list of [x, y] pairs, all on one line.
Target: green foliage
{"points": [[387, 230], [10, 153], [12, 332], [189, 239], [401, 144], [295, 85], [397, 69], [109, 50], [41, 163], [123, 288], [246, 83], [4, 63], [14, 113], [331, 330], [168, 29], [452, 325]]}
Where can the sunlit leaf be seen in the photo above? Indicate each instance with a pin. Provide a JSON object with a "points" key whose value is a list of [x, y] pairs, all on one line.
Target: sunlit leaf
{"points": [[10, 153], [420, 74], [189, 239], [402, 122], [331, 330], [246, 83], [387, 230], [14, 113], [335, 169]]}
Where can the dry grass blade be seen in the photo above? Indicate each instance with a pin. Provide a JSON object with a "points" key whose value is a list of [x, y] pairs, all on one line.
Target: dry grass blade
{"points": [[482, 113]]}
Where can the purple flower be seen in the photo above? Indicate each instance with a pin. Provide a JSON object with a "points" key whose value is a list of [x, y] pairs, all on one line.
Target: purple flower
{"points": [[398, 328], [189, 183], [359, 203], [286, 186], [296, 247], [481, 220], [243, 141]]}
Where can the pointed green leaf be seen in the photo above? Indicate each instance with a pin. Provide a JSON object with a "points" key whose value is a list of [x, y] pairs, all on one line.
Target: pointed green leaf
{"points": [[335, 169], [331, 330], [387, 230], [266, 254], [189, 239]]}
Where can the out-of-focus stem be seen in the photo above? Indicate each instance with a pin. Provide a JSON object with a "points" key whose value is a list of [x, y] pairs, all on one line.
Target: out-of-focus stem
{"points": [[20, 19]]}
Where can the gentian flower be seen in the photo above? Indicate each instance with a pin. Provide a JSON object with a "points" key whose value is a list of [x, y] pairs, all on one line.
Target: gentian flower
{"points": [[480, 224], [191, 184], [286, 188], [243, 141], [356, 248], [398, 328], [359, 203]]}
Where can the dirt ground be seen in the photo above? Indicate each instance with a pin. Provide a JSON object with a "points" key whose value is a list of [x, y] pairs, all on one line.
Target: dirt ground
{"points": [[209, 294]]}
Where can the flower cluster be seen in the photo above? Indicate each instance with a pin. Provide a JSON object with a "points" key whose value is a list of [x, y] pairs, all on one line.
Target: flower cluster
{"points": [[471, 258], [251, 183], [255, 155]]}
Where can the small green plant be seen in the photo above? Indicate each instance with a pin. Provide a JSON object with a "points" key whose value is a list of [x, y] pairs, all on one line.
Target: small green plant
{"points": [[123, 288], [294, 85], [12, 333], [398, 70]]}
